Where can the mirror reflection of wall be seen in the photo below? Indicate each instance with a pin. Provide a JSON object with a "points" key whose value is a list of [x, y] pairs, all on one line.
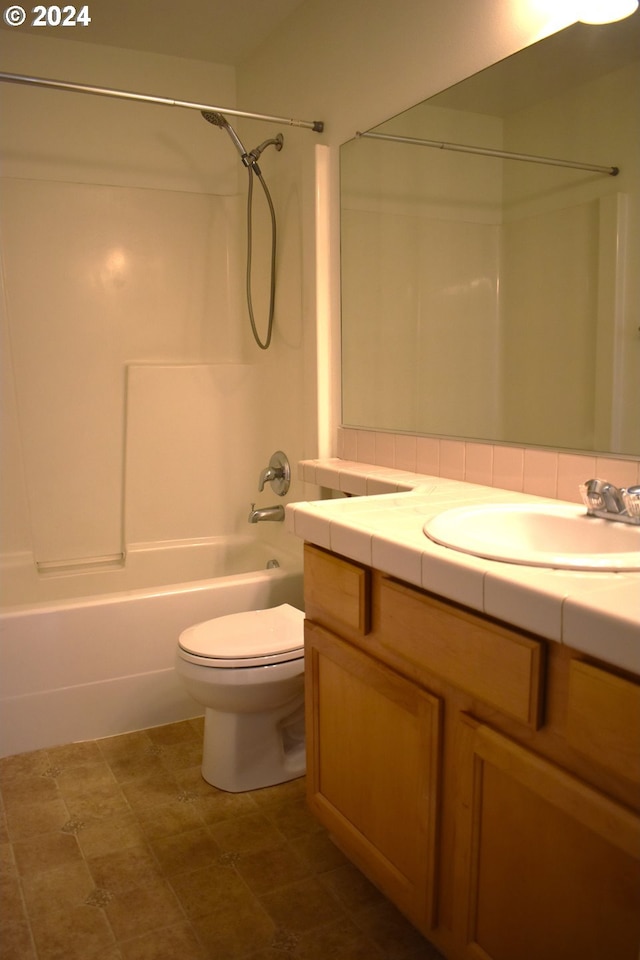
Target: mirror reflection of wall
{"points": [[496, 299]]}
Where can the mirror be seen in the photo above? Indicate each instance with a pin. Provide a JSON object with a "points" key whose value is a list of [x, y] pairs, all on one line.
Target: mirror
{"points": [[498, 299]]}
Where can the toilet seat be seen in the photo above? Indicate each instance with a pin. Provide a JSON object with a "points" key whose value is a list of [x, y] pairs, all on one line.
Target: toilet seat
{"points": [[250, 639]]}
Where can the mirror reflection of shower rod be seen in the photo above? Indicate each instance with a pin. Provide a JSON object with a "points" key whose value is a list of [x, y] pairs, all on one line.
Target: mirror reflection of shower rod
{"points": [[316, 125], [487, 152]]}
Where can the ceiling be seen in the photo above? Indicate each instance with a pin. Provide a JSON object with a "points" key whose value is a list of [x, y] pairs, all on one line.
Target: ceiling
{"points": [[568, 58], [219, 31]]}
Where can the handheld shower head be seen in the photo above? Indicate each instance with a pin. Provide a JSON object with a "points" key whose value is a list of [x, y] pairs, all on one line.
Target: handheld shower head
{"points": [[218, 120]]}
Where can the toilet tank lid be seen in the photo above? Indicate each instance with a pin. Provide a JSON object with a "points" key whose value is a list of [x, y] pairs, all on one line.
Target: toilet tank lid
{"points": [[255, 633]]}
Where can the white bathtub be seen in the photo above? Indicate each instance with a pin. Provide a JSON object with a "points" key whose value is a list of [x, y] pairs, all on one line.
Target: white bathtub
{"points": [[88, 653]]}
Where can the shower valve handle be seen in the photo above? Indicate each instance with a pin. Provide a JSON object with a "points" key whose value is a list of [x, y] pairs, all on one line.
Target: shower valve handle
{"points": [[278, 474]]}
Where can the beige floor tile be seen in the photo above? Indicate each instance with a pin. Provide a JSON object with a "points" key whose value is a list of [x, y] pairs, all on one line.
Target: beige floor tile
{"points": [[234, 929], [84, 778], [340, 941], [79, 933], [119, 850], [201, 892], [23, 765], [182, 756], [131, 768], [302, 905], [191, 780], [45, 852], [124, 869], [57, 889], [12, 908], [281, 793], [101, 803], [185, 852], [319, 851], [172, 733], [125, 745], [217, 806], [74, 754], [244, 834], [142, 910], [392, 933], [26, 820], [100, 837], [272, 867], [177, 942], [7, 861], [292, 817], [16, 941], [169, 819], [351, 888], [21, 790], [146, 791]]}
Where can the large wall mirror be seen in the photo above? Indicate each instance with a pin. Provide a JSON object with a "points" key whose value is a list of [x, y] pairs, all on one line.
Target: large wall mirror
{"points": [[499, 299]]}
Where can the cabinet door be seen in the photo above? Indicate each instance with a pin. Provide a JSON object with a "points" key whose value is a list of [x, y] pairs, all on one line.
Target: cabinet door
{"points": [[548, 867], [373, 754]]}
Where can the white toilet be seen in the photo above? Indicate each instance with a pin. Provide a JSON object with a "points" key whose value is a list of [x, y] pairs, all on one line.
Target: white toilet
{"points": [[247, 670]]}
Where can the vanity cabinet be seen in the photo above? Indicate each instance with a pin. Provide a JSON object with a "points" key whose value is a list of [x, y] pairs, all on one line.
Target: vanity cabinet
{"points": [[486, 780]]}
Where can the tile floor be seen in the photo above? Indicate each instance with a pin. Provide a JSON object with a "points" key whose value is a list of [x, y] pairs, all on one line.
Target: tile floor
{"points": [[117, 849]]}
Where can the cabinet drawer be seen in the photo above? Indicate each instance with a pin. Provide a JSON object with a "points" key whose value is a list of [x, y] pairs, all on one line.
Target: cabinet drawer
{"points": [[336, 591], [499, 666], [603, 719]]}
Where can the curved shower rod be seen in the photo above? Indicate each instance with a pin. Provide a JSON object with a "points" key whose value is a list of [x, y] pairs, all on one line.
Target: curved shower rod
{"points": [[316, 125]]}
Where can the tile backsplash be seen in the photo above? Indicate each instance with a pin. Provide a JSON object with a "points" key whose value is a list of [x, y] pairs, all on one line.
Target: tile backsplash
{"points": [[545, 473]]}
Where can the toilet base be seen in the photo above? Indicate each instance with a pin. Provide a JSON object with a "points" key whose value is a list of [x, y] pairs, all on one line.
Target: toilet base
{"points": [[247, 751]]}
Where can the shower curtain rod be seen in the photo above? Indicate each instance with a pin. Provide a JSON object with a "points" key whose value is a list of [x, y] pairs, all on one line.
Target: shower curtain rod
{"points": [[487, 152], [316, 125]]}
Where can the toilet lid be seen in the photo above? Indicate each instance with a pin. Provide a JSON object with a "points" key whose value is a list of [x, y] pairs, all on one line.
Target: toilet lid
{"points": [[253, 638]]}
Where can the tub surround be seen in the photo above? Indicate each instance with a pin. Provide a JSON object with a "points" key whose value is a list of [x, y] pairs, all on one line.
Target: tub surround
{"points": [[595, 613]]}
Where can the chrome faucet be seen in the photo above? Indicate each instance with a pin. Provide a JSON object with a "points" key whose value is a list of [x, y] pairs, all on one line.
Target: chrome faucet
{"points": [[603, 499], [265, 513]]}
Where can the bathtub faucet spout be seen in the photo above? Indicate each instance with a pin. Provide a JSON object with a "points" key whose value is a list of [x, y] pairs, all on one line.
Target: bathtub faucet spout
{"points": [[265, 513]]}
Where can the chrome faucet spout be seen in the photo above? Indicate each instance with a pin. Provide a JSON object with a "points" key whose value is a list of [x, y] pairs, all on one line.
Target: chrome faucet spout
{"points": [[265, 513], [613, 499]]}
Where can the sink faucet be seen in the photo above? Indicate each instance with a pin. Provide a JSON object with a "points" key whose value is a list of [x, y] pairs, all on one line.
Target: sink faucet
{"points": [[265, 513], [604, 499]]}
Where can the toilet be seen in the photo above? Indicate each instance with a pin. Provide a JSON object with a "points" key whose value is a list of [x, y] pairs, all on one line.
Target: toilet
{"points": [[247, 670]]}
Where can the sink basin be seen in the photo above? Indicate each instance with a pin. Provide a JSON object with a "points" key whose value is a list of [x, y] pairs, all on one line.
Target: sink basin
{"points": [[555, 535]]}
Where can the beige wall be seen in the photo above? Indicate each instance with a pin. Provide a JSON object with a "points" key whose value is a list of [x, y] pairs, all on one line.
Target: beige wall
{"points": [[354, 65], [112, 226]]}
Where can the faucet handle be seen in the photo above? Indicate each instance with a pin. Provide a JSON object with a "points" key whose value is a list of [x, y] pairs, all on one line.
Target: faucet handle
{"points": [[278, 474], [631, 497], [592, 493]]}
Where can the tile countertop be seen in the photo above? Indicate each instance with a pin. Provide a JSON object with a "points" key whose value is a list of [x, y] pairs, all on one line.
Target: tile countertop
{"points": [[596, 613]]}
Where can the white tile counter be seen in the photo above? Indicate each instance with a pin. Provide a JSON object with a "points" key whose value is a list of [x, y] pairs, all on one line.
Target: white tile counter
{"points": [[597, 613]]}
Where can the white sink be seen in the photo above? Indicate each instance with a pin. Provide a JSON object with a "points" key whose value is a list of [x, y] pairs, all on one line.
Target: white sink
{"points": [[540, 535]]}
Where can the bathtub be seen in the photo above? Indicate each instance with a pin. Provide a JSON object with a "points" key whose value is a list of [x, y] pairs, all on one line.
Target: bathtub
{"points": [[88, 652]]}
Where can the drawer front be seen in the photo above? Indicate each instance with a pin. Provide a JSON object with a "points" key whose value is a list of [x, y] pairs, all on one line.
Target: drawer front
{"points": [[500, 667], [336, 591], [603, 719]]}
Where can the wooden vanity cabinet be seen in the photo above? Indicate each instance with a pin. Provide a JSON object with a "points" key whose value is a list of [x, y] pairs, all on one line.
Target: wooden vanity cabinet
{"points": [[488, 782]]}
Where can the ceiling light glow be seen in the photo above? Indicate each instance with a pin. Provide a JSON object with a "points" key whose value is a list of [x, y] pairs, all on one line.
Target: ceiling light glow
{"points": [[605, 11]]}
